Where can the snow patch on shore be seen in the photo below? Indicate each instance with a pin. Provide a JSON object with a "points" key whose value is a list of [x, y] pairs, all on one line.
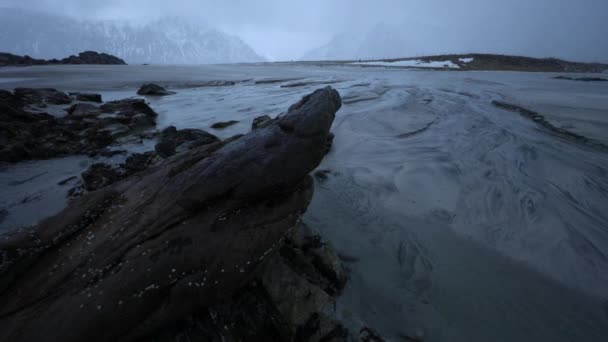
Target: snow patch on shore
{"points": [[413, 64]]}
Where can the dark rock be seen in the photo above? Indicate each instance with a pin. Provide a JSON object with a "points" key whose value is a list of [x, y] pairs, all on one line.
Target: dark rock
{"points": [[279, 304], [223, 124], [329, 142], [67, 180], [87, 129], [87, 57], [261, 122], [83, 109], [138, 162], [582, 79], [173, 141], [128, 108], [3, 215], [107, 153], [369, 335], [7, 98], [275, 80], [100, 175], [151, 89], [322, 175], [217, 83], [92, 57], [87, 97], [8, 59], [41, 96], [183, 236]]}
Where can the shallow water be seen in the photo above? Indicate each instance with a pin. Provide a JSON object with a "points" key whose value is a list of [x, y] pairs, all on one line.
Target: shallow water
{"points": [[460, 221]]}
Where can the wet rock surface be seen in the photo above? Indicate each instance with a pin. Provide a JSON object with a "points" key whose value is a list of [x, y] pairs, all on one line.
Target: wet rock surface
{"points": [[28, 132], [151, 89], [261, 122], [223, 124], [87, 97], [285, 301], [173, 141], [186, 238]]}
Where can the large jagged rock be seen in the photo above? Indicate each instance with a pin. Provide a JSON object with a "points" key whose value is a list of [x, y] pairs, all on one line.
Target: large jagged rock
{"points": [[286, 301], [124, 261]]}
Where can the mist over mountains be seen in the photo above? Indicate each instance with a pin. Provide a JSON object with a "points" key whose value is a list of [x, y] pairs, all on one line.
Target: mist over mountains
{"points": [[385, 40], [166, 41], [412, 38]]}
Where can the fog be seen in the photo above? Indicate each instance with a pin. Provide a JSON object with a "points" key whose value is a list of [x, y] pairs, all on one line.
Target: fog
{"points": [[286, 30]]}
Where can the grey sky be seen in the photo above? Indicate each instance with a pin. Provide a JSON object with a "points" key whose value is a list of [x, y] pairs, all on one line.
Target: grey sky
{"points": [[283, 29]]}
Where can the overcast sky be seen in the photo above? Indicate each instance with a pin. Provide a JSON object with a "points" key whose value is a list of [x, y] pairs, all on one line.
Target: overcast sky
{"points": [[286, 29]]}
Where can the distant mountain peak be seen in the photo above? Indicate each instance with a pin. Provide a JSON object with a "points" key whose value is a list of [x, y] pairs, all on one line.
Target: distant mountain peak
{"points": [[169, 40]]}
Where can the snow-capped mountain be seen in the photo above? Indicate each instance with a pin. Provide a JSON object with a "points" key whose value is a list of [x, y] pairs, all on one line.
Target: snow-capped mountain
{"points": [[166, 41], [341, 47], [385, 41]]}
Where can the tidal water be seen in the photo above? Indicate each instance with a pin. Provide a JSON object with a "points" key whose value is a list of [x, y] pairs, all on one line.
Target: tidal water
{"points": [[458, 220]]}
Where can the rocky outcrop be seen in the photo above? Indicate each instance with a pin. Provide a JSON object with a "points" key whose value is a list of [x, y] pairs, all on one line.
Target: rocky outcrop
{"points": [[86, 57], [171, 141], [186, 236], [92, 57], [151, 89], [27, 132], [41, 96]]}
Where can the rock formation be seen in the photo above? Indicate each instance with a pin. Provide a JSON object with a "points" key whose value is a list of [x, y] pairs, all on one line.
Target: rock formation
{"points": [[28, 132], [138, 257], [86, 57]]}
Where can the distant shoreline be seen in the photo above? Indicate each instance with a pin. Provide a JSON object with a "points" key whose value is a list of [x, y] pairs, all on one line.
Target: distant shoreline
{"points": [[478, 62], [86, 57]]}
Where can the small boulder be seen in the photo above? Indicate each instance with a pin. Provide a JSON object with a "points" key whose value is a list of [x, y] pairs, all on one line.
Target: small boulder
{"points": [[151, 89], [223, 124]]}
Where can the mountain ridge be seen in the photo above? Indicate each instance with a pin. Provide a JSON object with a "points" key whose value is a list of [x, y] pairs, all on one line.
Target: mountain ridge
{"points": [[164, 41]]}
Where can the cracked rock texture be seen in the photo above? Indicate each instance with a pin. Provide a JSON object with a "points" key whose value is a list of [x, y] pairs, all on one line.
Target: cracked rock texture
{"points": [[129, 259]]}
